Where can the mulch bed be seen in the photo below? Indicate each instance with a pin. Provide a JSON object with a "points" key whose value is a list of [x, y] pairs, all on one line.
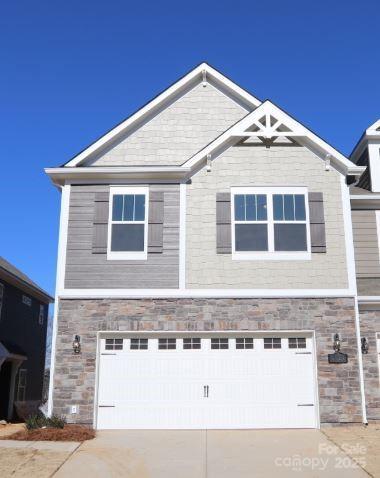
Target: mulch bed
{"points": [[68, 433]]}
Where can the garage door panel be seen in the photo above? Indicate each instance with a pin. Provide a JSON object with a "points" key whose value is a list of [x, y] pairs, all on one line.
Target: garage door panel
{"points": [[205, 387]]}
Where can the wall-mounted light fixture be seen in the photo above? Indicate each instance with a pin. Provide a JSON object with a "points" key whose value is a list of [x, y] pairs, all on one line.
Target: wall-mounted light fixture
{"points": [[364, 345], [337, 356], [336, 344], [76, 344]]}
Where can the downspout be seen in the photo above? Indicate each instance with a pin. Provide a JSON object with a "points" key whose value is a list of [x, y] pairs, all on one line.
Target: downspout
{"points": [[360, 360], [350, 253]]}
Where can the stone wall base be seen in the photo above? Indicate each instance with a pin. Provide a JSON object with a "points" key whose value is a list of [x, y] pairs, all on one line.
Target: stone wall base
{"points": [[338, 384]]}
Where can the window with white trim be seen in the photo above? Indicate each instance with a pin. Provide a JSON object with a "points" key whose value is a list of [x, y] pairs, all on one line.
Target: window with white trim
{"points": [[21, 385], [128, 223], [41, 314], [270, 223]]}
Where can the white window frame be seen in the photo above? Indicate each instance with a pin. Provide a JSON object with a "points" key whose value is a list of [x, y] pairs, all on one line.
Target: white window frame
{"points": [[271, 254], [21, 387], [128, 255], [41, 315]]}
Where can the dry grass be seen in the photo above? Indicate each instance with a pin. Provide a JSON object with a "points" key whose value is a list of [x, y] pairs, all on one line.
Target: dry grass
{"points": [[68, 433]]}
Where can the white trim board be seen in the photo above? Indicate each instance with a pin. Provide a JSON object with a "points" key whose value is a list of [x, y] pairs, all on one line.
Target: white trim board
{"points": [[60, 281], [369, 299], [202, 293], [195, 76], [371, 133]]}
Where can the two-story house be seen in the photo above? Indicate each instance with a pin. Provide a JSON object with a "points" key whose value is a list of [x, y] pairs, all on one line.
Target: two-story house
{"points": [[206, 270], [365, 204], [23, 324]]}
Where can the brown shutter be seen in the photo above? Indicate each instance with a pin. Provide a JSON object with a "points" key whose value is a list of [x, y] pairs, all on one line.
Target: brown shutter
{"points": [[156, 222], [223, 223], [100, 226], [317, 223]]}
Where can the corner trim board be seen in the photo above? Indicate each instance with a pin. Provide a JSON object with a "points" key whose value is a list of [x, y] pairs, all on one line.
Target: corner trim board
{"points": [[60, 281]]}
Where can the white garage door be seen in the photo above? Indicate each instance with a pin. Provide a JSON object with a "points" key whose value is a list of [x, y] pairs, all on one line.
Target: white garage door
{"points": [[206, 382]]}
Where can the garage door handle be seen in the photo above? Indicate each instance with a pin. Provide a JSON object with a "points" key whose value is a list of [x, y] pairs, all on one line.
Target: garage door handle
{"points": [[205, 391], [305, 405], [106, 406]]}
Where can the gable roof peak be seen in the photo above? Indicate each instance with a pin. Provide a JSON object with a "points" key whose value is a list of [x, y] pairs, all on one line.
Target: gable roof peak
{"points": [[201, 73]]}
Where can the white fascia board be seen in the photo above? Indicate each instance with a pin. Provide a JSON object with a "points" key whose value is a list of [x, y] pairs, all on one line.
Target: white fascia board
{"points": [[369, 299], [364, 197], [374, 128], [370, 134], [60, 175], [201, 293], [232, 136], [194, 76]]}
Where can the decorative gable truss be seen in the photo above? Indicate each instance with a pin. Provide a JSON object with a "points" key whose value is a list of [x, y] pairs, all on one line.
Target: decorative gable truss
{"points": [[268, 129], [268, 124]]}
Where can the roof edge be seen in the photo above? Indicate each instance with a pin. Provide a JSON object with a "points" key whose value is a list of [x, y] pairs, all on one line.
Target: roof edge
{"points": [[32, 289], [196, 75]]}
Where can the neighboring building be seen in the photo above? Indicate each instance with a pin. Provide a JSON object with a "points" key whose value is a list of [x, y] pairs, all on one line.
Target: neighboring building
{"points": [[206, 263], [365, 204], [23, 321]]}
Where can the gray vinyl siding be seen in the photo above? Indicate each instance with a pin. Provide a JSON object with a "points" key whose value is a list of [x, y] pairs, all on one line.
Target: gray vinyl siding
{"points": [[366, 243], [365, 179], [368, 286], [87, 270]]}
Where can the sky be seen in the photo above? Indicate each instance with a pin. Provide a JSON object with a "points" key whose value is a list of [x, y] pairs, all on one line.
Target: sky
{"points": [[70, 70]]}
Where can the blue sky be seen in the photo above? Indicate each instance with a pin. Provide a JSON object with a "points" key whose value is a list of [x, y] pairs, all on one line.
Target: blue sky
{"points": [[71, 70]]}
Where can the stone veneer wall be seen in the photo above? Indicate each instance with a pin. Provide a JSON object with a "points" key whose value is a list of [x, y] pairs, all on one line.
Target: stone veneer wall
{"points": [[74, 380], [369, 326]]}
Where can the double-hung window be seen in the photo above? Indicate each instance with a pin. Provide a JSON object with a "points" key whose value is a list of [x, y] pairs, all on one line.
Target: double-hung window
{"points": [[128, 223], [270, 223]]}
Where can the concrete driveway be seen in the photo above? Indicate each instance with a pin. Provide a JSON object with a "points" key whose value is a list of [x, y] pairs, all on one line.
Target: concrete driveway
{"points": [[211, 454]]}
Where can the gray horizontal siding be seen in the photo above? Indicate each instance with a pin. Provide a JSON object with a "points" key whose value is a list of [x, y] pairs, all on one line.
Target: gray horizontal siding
{"points": [[366, 244], [368, 286], [86, 270]]}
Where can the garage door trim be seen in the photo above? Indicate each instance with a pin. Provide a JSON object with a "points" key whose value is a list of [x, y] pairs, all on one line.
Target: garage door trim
{"points": [[241, 333]]}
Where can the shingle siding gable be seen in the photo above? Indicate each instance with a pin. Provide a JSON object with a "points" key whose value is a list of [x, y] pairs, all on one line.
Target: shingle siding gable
{"points": [[176, 133]]}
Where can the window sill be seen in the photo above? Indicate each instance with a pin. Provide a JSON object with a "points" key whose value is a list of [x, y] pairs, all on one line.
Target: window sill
{"points": [[271, 256], [127, 256]]}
